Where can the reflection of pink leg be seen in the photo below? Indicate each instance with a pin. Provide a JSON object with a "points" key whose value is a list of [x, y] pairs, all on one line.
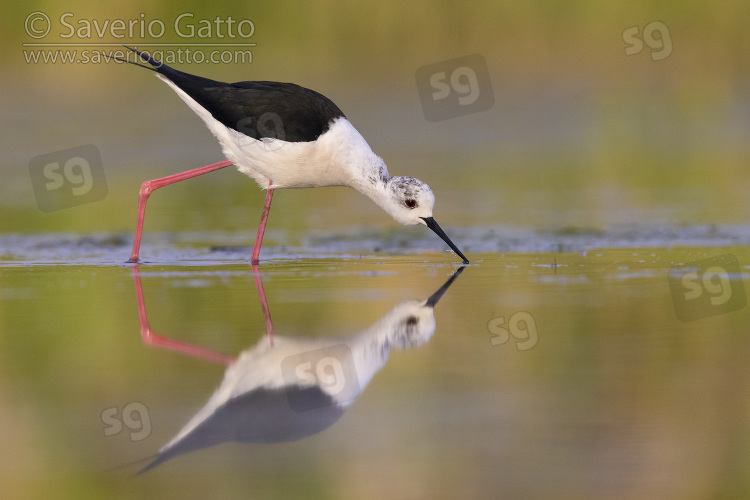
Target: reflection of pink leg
{"points": [[263, 301], [149, 337], [262, 227], [149, 186]]}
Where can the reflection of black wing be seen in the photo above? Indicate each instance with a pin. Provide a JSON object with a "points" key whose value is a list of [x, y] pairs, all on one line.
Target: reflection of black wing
{"points": [[302, 113], [260, 416]]}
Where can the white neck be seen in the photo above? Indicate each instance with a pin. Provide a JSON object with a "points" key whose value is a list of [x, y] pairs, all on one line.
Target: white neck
{"points": [[349, 152]]}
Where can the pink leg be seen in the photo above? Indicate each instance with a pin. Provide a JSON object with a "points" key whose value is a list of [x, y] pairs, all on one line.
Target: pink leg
{"points": [[149, 186], [262, 227], [263, 301], [149, 337]]}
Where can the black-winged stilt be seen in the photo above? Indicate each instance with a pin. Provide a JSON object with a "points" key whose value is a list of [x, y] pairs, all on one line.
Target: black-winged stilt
{"points": [[311, 144], [265, 399]]}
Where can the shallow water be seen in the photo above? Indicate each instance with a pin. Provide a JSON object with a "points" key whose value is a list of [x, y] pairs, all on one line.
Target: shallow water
{"points": [[596, 346], [595, 370]]}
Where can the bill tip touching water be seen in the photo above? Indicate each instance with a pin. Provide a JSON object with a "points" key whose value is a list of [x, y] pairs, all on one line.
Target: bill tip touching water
{"points": [[286, 136]]}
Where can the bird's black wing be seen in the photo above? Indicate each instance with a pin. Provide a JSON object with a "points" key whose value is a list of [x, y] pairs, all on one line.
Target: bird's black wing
{"points": [[257, 109], [271, 109]]}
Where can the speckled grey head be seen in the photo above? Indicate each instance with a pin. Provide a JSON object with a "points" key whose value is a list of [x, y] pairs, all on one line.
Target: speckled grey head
{"points": [[410, 200]]}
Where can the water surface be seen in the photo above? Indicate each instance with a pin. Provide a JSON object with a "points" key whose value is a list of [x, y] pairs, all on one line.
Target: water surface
{"points": [[543, 371]]}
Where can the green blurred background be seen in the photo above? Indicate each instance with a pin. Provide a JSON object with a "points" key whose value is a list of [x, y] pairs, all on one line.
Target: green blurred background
{"points": [[580, 134]]}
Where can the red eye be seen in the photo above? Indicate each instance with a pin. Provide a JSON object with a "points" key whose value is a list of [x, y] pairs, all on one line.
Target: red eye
{"points": [[410, 203]]}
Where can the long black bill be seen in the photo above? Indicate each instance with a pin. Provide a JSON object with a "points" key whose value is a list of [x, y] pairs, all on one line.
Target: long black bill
{"points": [[436, 296], [434, 226]]}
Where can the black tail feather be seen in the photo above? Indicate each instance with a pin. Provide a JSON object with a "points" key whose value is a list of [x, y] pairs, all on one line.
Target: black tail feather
{"points": [[185, 81], [153, 62], [156, 64]]}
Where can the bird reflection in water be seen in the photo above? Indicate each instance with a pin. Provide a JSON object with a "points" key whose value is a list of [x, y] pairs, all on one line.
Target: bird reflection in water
{"points": [[287, 388]]}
